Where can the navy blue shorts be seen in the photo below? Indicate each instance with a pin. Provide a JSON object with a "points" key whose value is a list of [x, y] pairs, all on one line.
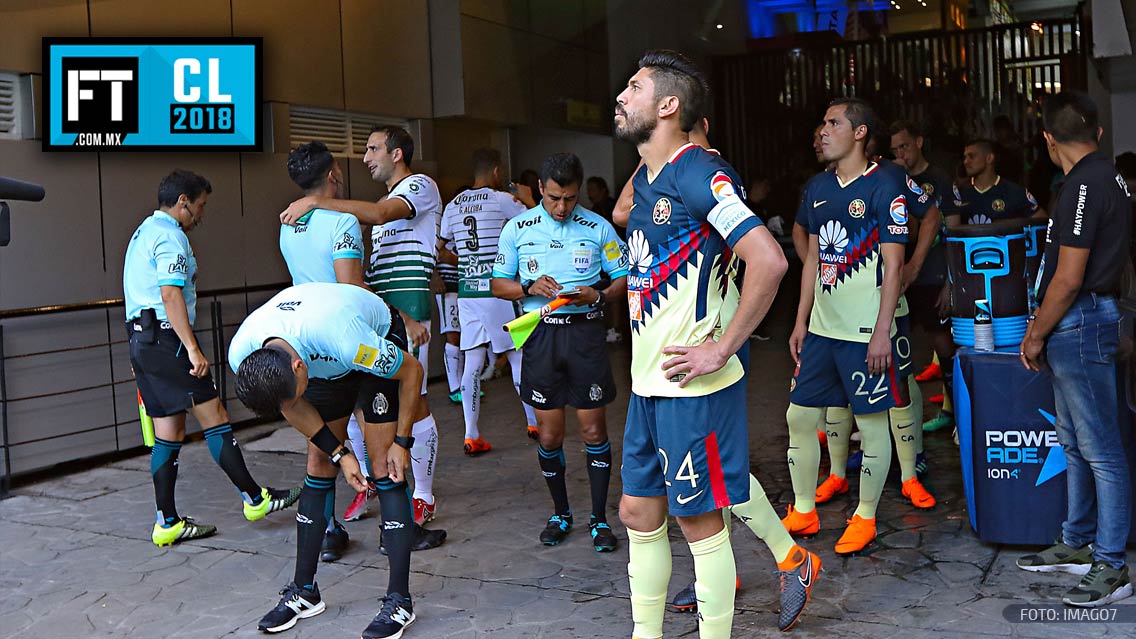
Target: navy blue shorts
{"points": [[834, 372], [901, 345], [693, 450]]}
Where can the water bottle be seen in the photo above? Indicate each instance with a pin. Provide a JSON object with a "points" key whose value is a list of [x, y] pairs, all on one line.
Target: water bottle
{"points": [[983, 326]]}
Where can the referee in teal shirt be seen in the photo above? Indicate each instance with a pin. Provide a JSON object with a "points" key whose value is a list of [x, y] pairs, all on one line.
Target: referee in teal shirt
{"points": [[559, 246]]}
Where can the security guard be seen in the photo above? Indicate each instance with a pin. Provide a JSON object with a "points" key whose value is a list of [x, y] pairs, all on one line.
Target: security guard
{"points": [[557, 247], [172, 373]]}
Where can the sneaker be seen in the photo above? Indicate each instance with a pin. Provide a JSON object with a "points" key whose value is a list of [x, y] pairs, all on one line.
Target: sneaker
{"points": [[1102, 585], [556, 530], [798, 523], [1059, 558], [534, 433], [936, 399], [456, 396], [296, 603], [424, 539], [921, 466], [855, 461], [930, 374], [859, 533], [395, 615], [358, 506], [475, 447], [822, 437], [182, 530], [943, 420], [271, 500], [830, 488], [920, 498], [797, 575], [686, 600], [334, 543], [423, 512], [603, 540]]}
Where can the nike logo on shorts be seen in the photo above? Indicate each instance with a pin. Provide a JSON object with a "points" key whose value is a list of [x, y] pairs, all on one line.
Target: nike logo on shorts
{"points": [[816, 203], [682, 501]]}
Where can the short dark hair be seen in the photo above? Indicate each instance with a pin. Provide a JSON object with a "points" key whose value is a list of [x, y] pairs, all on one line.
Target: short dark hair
{"points": [[563, 168], [265, 379], [598, 182], [309, 163], [181, 181], [675, 74], [859, 113], [1070, 116], [397, 138], [985, 144], [900, 126], [485, 160]]}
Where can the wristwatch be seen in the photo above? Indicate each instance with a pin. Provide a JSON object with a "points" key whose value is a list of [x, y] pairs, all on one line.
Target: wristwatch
{"points": [[343, 450], [525, 287], [405, 442], [600, 299]]}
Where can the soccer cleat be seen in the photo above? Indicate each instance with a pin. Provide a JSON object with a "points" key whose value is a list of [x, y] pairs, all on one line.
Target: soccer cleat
{"points": [[802, 524], [334, 543], [456, 397], [475, 447], [296, 603], [182, 530], [936, 399], [424, 539], [930, 374], [603, 540], [423, 512], [271, 500], [859, 533], [919, 496], [822, 437], [1059, 558], [943, 420], [686, 600], [396, 614], [556, 530], [797, 574], [534, 433], [830, 488], [855, 461], [358, 506], [1102, 585], [921, 466]]}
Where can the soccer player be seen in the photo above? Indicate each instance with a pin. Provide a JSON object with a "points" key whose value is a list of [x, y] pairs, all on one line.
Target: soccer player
{"points": [[449, 323], [402, 261], [159, 280], [686, 441], [472, 222], [316, 353], [988, 197], [558, 246], [842, 342]]}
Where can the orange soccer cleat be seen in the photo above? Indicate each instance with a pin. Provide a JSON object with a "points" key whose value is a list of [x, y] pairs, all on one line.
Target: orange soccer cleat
{"points": [[474, 447], [830, 488], [802, 524], [931, 373], [920, 498], [859, 533]]}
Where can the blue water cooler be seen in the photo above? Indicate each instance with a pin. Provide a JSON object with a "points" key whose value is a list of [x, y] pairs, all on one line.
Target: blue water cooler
{"points": [[988, 262]]}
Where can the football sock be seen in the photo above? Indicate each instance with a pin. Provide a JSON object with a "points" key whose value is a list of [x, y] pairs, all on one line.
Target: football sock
{"points": [[876, 444], [804, 454], [649, 572]]}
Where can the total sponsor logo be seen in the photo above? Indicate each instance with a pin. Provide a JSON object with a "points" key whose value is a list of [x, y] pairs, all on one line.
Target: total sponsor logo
{"points": [[915, 188], [1013, 450], [898, 210], [722, 186]]}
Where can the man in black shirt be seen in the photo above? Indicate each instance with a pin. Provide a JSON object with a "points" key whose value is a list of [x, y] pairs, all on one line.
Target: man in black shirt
{"points": [[1078, 326]]}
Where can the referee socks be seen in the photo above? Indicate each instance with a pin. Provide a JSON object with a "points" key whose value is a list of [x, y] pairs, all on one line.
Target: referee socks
{"points": [[164, 471], [397, 532], [552, 466], [223, 447], [311, 521], [599, 476]]}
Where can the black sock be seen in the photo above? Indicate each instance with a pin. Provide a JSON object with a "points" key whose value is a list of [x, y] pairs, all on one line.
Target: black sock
{"points": [[599, 476], [552, 465], [310, 525], [223, 447], [164, 470], [397, 532]]}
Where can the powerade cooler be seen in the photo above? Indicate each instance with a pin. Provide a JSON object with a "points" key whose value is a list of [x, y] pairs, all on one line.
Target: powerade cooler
{"points": [[988, 262]]}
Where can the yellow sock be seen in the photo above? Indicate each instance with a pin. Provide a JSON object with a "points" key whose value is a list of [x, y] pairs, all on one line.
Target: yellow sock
{"points": [[838, 427], [916, 394], [715, 575], [934, 357], [649, 572], [903, 427], [758, 514], [876, 444], [948, 405], [804, 454]]}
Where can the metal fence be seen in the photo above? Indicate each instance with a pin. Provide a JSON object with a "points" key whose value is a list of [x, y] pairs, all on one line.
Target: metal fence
{"points": [[952, 82]]}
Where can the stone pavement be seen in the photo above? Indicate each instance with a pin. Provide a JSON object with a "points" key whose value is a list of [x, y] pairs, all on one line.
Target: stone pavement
{"points": [[76, 559]]}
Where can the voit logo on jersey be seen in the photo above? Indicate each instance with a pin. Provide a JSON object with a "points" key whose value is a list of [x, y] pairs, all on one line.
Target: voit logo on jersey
{"points": [[1015, 453]]}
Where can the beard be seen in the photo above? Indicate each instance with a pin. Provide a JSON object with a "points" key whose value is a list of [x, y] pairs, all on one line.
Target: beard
{"points": [[635, 130]]}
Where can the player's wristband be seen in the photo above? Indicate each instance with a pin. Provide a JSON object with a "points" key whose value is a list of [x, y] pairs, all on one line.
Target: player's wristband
{"points": [[326, 441], [405, 442], [343, 450], [600, 299]]}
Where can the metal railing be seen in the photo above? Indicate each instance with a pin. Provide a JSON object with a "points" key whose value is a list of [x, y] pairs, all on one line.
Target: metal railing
{"points": [[216, 330]]}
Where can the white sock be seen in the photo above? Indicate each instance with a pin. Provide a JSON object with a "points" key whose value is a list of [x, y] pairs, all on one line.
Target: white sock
{"points": [[515, 366], [423, 456], [455, 363], [423, 354], [471, 389], [358, 445]]}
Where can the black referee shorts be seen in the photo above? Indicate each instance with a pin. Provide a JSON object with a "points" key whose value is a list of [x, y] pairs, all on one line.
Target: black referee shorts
{"points": [[376, 396], [565, 362], [921, 300], [162, 371]]}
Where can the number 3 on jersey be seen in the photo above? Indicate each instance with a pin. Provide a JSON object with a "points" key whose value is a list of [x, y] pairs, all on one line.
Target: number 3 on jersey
{"points": [[472, 243]]}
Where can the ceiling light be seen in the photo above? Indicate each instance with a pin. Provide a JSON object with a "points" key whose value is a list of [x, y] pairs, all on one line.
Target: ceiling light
{"points": [[719, 26]]}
